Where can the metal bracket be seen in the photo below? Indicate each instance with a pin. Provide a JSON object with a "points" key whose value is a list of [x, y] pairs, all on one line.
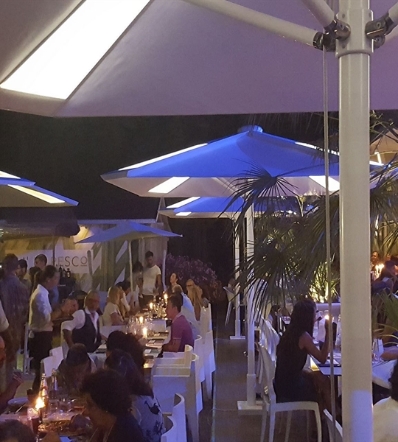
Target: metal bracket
{"points": [[337, 30], [377, 30]]}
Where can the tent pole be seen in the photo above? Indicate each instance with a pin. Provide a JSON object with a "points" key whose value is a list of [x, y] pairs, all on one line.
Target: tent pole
{"points": [[354, 60], [237, 334], [131, 271]]}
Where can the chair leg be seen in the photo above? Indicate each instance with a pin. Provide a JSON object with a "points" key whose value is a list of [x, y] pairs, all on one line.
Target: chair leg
{"points": [[271, 426], [288, 423], [318, 425], [264, 423]]}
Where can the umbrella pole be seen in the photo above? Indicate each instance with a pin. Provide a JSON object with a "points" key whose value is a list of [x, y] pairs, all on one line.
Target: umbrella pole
{"points": [[237, 334], [354, 60], [131, 270]]}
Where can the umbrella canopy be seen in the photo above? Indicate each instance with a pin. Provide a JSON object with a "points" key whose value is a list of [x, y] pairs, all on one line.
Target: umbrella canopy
{"points": [[173, 59], [213, 169], [19, 192], [128, 231]]}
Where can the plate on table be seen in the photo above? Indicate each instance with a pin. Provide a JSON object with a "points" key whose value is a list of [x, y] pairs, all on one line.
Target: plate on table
{"points": [[17, 402], [151, 353]]}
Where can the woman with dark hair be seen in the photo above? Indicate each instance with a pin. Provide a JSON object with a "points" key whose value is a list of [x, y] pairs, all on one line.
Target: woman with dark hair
{"points": [[41, 317], [117, 340], [145, 406], [108, 405], [385, 413], [292, 383]]}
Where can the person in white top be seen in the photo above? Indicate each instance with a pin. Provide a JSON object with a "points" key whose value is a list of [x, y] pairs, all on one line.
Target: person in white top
{"points": [[152, 276], [385, 414], [84, 327], [112, 315], [41, 316]]}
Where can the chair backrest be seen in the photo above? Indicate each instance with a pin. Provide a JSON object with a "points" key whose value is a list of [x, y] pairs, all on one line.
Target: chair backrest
{"points": [[178, 414], [48, 365], [339, 429], [272, 339], [171, 434], [58, 355], [188, 352], [268, 373]]}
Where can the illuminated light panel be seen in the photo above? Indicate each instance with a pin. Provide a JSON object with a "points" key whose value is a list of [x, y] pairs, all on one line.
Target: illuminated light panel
{"points": [[39, 195], [163, 157], [8, 175], [169, 185], [183, 203], [183, 214], [61, 63], [334, 185]]}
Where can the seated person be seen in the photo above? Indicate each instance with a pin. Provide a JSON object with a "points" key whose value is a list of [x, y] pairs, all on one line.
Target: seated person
{"points": [[112, 315], [15, 431], [386, 280], [181, 332], [292, 382], [73, 369], [385, 414], [144, 404], [12, 387], [84, 327], [118, 340], [195, 294], [187, 310]]}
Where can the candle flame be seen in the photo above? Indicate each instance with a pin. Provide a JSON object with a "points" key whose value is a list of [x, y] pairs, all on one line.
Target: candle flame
{"points": [[141, 319], [144, 332], [326, 317], [151, 305], [39, 403]]}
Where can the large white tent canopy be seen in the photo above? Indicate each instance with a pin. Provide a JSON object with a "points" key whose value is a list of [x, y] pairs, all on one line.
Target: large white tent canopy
{"points": [[178, 59]]}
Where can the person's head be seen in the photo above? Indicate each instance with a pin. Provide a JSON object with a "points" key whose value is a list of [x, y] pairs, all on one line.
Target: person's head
{"points": [[137, 267], [374, 257], [22, 268], [174, 304], [2, 351], [394, 382], [173, 278], [303, 317], [48, 278], [124, 364], [15, 431], [117, 340], [190, 285], [106, 393], [149, 259], [92, 301], [125, 286], [177, 290], [388, 270], [10, 264], [77, 363], [41, 261], [73, 303], [114, 294]]}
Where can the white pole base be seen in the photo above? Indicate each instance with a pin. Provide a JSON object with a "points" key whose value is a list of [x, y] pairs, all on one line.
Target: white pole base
{"points": [[251, 380], [245, 409], [237, 338]]}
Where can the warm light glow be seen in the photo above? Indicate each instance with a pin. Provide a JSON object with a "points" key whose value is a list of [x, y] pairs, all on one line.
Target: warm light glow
{"points": [[144, 332], [183, 203], [7, 175], [141, 320], [183, 213], [334, 185], [326, 317], [169, 185], [39, 195], [61, 63], [150, 305], [165, 297], [163, 157], [39, 403]]}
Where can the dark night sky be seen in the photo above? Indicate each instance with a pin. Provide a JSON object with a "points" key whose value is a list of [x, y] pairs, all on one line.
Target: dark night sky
{"points": [[69, 155]]}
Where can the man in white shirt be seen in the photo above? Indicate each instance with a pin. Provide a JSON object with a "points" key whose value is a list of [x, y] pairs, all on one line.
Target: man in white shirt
{"points": [[84, 327], [152, 278]]}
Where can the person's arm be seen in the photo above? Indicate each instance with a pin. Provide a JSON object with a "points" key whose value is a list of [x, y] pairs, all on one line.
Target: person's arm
{"points": [[124, 302], [175, 341], [61, 311], [116, 318], [10, 391], [390, 354], [307, 342], [67, 327]]}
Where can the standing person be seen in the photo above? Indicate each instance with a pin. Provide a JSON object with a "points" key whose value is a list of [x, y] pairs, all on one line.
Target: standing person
{"points": [[23, 275], [181, 332], [14, 297], [40, 263], [152, 278], [41, 316], [84, 327]]}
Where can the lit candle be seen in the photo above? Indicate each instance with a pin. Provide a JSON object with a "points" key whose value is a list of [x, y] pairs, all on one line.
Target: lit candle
{"points": [[165, 297], [141, 319], [144, 332], [39, 407], [326, 317], [150, 305]]}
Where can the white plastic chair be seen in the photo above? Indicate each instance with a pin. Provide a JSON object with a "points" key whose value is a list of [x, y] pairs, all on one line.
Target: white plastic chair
{"points": [[271, 339], [175, 359], [178, 415], [48, 365], [209, 361], [167, 381], [58, 355], [171, 435], [271, 407], [198, 350], [339, 429], [231, 298]]}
